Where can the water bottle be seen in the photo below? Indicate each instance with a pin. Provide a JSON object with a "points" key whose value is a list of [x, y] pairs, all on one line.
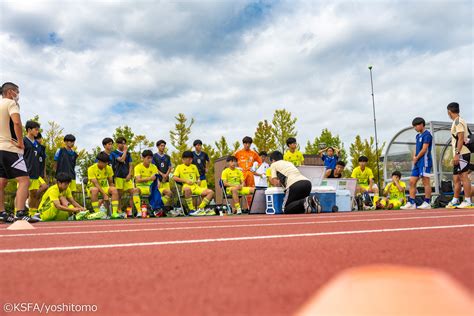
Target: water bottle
{"points": [[144, 210]]}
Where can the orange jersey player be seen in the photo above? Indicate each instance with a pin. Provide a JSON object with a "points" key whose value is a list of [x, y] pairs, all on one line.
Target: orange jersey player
{"points": [[246, 159]]}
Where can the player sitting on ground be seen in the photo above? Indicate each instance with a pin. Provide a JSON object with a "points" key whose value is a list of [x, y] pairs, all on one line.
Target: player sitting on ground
{"points": [[65, 160], [163, 162], [122, 167], [188, 174], [293, 155], [422, 165], [337, 172], [394, 192], [365, 180], [58, 204], [233, 179], [100, 182]]}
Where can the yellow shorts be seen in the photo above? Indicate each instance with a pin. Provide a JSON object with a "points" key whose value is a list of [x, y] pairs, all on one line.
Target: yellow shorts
{"points": [[164, 186], [395, 202], [53, 214], [195, 189], [144, 190], [106, 190], [203, 184], [34, 184], [243, 191], [122, 184]]}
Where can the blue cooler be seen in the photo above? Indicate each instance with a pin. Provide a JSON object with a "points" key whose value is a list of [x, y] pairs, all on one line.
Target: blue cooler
{"points": [[343, 200], [274, 198], [326, 196]]}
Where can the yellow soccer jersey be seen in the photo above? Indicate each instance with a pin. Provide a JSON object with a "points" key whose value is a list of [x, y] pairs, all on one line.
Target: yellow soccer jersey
{"points": [[362, 177], [184, 172], [101, 175], [295, 158], [233, 177], [144, 172], [393, 193], [53, 194]]}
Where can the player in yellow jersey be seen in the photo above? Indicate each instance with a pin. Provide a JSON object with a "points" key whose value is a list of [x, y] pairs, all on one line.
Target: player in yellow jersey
{"points": [[394, 192], [234, 180], [58, 204], [188, 174], [293, 155], [100, 182]]}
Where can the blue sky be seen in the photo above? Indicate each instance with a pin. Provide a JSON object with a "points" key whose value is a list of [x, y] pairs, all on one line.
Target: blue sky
{"points": [[92, 66]]}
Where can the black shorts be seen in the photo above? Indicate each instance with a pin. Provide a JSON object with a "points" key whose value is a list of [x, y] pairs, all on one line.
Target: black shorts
{"points": [[464, 164], [12, 165]]}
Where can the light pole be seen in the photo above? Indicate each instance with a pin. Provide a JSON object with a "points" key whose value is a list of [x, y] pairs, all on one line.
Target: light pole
{"points": [[375, 128]]}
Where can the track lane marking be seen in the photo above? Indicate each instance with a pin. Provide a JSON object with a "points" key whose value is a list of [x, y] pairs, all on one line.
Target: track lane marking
{"points": [[230, 226], [277, 218], [212, 240]]}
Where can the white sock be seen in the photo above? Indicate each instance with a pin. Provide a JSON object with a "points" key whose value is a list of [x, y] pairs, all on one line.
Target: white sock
{"points": [[455, 200], [468, 200]]}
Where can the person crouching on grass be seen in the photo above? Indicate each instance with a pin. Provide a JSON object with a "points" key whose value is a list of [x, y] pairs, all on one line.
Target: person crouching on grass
{"points": [[58, 204], [297, 187], [395, 193]]}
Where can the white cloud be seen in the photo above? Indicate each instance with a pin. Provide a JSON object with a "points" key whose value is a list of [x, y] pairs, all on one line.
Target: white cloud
{"points": [[231, 64]]}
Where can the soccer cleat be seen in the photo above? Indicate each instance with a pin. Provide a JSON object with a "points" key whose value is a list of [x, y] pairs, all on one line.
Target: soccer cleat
{"points": [[452, 205], [408, 206], [115, 216], [139, 215], [315, 204], [307, 205], [81, 215], [97, 215], [465, 204], [239, 212], [210, 212], [174, 213], [193, 213], [23, 216], [425, 206], [7, 217], [159, 213]]}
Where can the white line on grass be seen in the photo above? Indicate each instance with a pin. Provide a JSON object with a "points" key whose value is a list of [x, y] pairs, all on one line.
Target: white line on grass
{"points": [[199, 220], [196, 241], [227, 226]]}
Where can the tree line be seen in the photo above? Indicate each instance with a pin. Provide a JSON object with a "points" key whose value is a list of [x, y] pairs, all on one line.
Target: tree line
{"points": [[269, 135]]}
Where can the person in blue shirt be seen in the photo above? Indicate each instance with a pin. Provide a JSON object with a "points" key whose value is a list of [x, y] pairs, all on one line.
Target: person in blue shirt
{"points": [[330, 157], [201, 160], [422, 165]]}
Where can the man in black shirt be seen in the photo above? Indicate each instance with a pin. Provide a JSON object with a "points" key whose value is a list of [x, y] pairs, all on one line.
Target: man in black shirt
{"points": [[163, 162], [337, 172], [33, 164]]}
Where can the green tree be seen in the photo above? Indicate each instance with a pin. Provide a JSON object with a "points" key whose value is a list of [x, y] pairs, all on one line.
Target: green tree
{"points": [[235, 146], [264, 138], [87, 159], [179, 137], [329, 140], [52, 140], [222, 147], [284, 126], [367, 148]]}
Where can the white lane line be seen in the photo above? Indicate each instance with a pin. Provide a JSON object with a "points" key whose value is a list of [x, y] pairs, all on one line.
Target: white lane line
{"points": [[228, 226], [196, 241], [226, 220]]}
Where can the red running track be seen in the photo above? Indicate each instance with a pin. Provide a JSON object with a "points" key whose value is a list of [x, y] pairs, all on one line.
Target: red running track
{"points": [[248, 265]]}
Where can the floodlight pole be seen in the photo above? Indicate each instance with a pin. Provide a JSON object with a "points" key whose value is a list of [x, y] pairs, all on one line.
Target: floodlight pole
{"points": [[375, 128]]}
